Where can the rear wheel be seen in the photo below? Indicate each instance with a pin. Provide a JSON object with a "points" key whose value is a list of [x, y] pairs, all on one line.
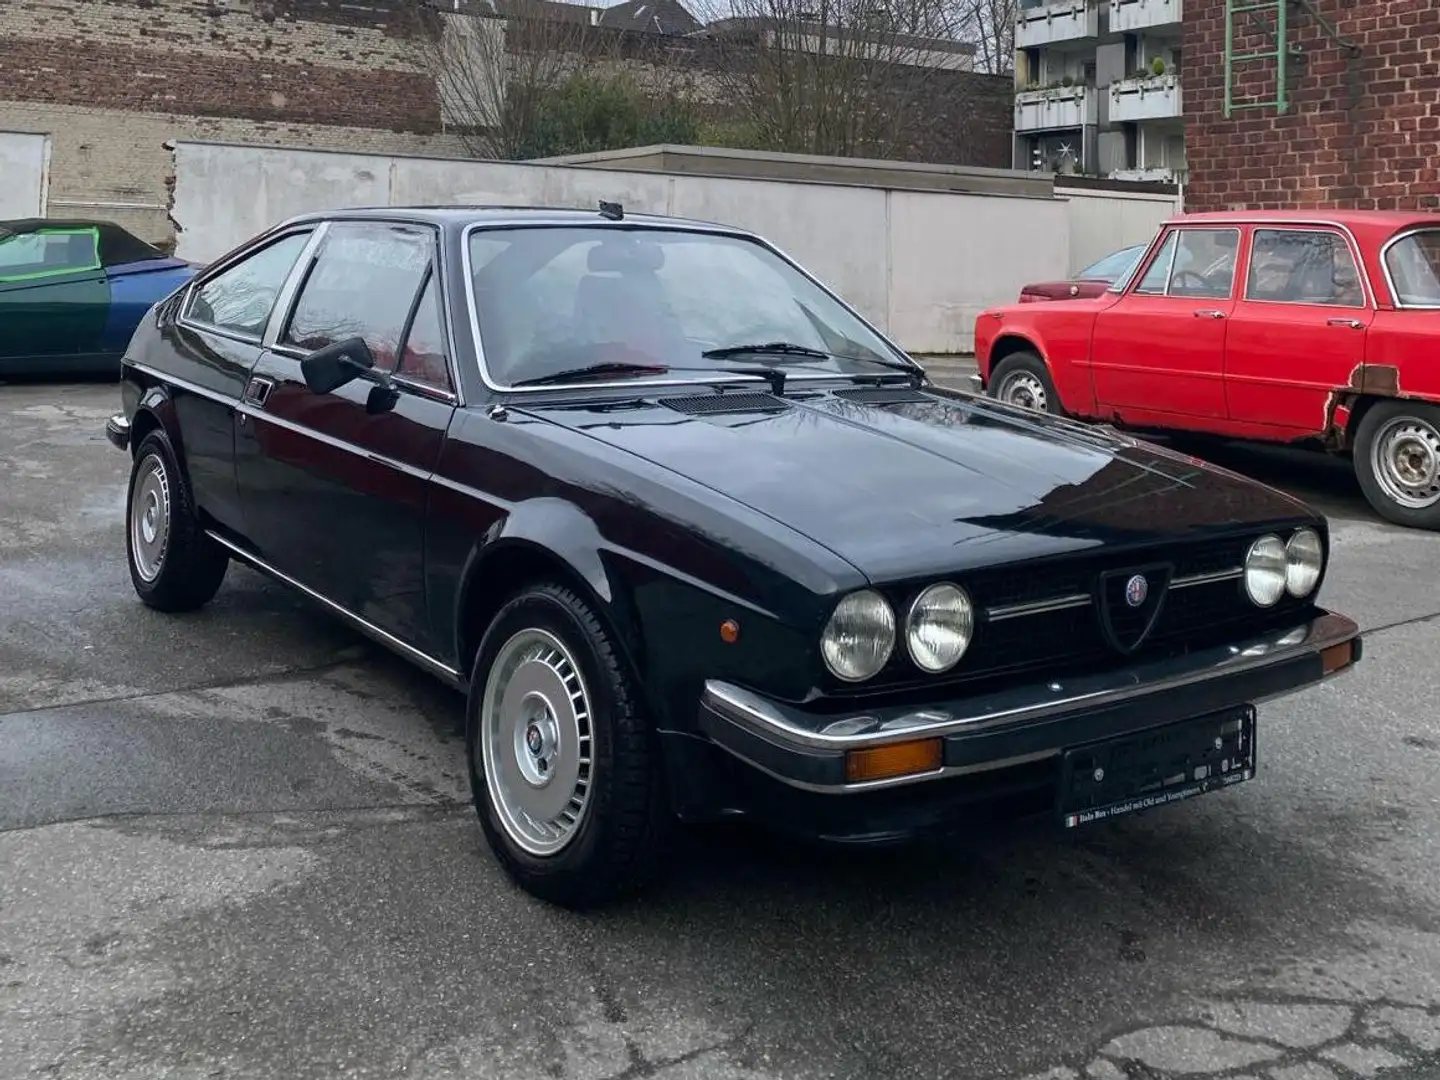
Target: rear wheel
{"points": [[174, 566], [563, 766], [1022, 379], [1397, 461]]}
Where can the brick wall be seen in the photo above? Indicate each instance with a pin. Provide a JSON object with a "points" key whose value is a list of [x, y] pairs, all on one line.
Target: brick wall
{"points": [[1360, 132]]}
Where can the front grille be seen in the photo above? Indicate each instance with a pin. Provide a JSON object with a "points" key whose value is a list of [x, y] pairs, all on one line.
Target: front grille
{"points": [[1045, 618]]}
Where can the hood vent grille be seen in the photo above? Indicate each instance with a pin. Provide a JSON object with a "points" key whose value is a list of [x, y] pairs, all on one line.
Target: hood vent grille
{"points": [[882, 395], [719, 404]]}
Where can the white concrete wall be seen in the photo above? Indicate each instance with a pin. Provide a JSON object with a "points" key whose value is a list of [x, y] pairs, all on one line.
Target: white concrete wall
{"points": [[1103, 221], [920, 265], [24, 174]]}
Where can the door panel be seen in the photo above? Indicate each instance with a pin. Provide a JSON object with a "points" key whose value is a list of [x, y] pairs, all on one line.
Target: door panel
{"points": [[1158, 354], [1298, 334], [336, 497], [56, 317]]}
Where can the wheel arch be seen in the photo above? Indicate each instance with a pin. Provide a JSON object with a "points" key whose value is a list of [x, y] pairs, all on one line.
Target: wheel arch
{"points": [[542, 540], [1011, 342]]}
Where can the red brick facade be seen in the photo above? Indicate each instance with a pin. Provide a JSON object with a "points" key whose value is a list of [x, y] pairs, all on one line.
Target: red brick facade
{"points": [[283, 61], [1362, 131]]}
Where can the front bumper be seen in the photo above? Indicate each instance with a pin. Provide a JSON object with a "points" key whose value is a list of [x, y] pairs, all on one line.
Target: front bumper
{"points": [[117, 430], [975, 383], [1024, 726]]}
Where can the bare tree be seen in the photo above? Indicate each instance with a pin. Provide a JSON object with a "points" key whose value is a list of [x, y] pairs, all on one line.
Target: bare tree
{"points": [[842, 77], [497, 64], [990, 25]]}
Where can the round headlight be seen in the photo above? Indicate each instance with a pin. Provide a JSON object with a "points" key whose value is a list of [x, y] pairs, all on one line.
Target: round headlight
{"points": [[1304, 559], [939, 627], [859, 637], [1265, 570]]}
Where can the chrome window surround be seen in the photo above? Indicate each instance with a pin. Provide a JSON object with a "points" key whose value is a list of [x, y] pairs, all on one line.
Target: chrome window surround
{"points": [[1328, 230], [285, 298], [1260, 220], [686, 378], [1403, 234], [267, 240]]}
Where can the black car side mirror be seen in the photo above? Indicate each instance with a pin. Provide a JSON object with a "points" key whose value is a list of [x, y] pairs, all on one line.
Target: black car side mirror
{"points": [[328, 369]]}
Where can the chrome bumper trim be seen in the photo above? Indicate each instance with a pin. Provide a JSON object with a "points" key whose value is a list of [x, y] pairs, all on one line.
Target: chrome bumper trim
{"points": [[117, 430], [1040, 701]]}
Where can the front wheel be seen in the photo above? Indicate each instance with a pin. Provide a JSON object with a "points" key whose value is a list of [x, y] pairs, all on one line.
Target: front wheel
{"points": [[1022, 379], [1397, 462], [563, 768]]}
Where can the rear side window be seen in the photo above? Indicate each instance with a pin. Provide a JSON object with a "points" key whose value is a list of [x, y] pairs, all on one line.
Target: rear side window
{"points": [[1413, 263], [48, 253], [364, 282], [1303, 266], [240, 298]]}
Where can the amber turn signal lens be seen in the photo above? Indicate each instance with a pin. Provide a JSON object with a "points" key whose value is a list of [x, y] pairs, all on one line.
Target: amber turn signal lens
{"points": [[1336, 657], [729, 631], [896, 759]]}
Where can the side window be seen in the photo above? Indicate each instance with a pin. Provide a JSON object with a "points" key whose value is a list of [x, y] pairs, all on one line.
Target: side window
{"points": [[1158, 272], [423, 358], [1205, 263], [48, 253], [239, 299], [362, 284], [1303, 266], [1413, 263]]}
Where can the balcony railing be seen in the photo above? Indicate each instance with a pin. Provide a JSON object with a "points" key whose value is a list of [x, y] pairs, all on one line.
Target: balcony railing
{"points": [[1060, 20], [1129, 16], [1054, 108], [1154, 98]]}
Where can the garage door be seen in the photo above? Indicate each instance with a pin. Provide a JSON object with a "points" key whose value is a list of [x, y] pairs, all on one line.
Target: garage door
{"points": [[24, 173]]}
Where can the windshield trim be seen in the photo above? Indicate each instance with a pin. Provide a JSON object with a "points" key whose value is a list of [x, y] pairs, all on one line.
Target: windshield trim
{"points": [[688, 377], [1385, 249]]}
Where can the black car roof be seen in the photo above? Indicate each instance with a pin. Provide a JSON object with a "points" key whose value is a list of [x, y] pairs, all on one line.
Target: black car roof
{"points": [[459, 216], [117, 246]]}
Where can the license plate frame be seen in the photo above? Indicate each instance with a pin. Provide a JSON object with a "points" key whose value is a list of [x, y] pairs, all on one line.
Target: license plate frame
{"points": [[1158, 766]]}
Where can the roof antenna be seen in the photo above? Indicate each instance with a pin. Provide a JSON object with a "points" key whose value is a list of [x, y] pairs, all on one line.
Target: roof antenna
{"points": [[611, 211]]}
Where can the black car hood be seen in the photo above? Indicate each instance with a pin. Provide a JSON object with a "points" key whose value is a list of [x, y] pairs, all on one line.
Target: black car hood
{"points": [[903, 483]]}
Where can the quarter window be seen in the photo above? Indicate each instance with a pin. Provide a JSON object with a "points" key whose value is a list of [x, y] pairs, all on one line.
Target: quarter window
{"points": [[1414, 267], [363, 284], [1303, 266], [1158, 272], [423, 358], [48, 253], [239, 299]]}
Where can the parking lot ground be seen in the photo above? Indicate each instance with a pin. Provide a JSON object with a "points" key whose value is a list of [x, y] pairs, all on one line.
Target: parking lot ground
{"points": [[238, 844]]}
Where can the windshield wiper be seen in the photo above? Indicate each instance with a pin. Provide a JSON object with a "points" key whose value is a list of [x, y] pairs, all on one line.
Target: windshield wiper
{"points": [[782, 348], [593, 371]]}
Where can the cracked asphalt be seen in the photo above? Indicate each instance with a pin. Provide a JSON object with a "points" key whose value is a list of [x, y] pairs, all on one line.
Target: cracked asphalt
{"points": [[238, 844]]}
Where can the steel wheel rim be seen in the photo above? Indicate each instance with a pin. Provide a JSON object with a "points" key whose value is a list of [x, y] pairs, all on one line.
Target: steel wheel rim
{"points": [[150, 518], [1405, 458], [535, 741], [1025, 390]]}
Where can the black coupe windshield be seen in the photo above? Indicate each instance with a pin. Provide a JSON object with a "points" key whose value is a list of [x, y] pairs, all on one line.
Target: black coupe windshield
{"points": [[552, 300]]}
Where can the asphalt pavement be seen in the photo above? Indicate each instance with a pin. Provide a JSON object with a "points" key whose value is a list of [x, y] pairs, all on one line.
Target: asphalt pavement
{"points": [[238, 844]]}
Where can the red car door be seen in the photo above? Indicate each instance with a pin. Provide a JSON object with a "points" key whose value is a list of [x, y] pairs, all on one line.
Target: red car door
{"points": [[1157, 354], [1298, 331]]}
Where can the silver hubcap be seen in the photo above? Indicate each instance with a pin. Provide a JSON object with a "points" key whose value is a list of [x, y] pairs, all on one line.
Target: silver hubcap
{"points": [[535, 741], [1405, 458], [1023, 389], [150, 518]]}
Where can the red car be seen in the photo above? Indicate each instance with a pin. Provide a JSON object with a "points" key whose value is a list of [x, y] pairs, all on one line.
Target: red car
{"points": [[1328, 338], [1091, 281]]}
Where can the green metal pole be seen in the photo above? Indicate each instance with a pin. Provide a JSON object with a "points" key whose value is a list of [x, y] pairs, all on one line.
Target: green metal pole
{"points": [[1229, 49], [1282, 48]]}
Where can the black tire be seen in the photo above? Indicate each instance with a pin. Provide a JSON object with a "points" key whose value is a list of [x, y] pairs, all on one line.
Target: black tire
{"points": [[189, 567], [1030, 379], [626, 824], [1381, 421]]}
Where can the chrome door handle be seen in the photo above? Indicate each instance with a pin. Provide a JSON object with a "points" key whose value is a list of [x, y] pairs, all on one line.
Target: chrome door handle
{"points": [[1353, 324], [1209, 313], [258, 391]]}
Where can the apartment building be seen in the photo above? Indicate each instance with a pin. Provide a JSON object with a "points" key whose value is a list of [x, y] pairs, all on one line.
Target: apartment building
{"points": [[1098, 88]]}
